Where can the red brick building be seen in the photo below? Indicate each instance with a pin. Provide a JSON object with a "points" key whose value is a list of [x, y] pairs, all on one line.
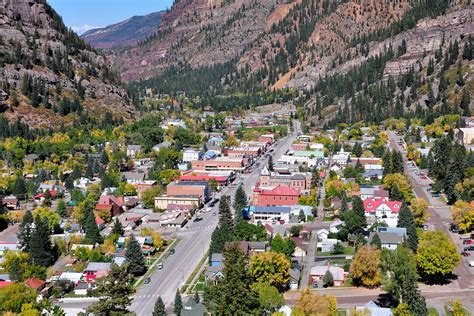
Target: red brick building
{"points": [[279, 196]]}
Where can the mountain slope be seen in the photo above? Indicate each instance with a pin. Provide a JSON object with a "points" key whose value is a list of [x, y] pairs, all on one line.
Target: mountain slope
{"points": [[125, 33], [48, 75]]}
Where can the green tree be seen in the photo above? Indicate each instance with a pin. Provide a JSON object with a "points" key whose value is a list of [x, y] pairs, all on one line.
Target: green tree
{"points": [[41, 249], [117, 229], [328, 279], [437, 256], [14, 296], [359, 210], [225, 214], [376, 241], [134, 257], [285, 246], [178, 304], [357, 150], [149, 196], [407, 220], [270, 163], [19, 186], [61, 208], [240, 201], [412, 296], [365, 268], [249, 232], [159, 309], [269, 298], [396, 266], [233, 295], [115, 291], [92, 233], [26, 230]]}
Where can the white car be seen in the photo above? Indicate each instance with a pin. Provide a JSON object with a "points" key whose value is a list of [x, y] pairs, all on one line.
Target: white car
{"points": [[471, 263]]}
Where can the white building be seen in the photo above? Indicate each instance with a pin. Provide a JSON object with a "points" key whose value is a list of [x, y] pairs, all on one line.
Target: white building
{"points": [[191, 154], [173, 123], [341, 157]]}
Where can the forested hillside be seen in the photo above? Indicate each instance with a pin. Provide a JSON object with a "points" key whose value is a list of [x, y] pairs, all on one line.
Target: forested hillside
{"points": [[329, 50], [48, 75]]}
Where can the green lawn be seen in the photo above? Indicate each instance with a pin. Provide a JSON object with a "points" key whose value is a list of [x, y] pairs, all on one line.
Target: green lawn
{"points": [[347, 251], [432, 312], [341, 312]]}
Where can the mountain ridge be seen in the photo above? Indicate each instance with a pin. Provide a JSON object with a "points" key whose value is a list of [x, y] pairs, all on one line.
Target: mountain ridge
{"points": [[125, 33]]}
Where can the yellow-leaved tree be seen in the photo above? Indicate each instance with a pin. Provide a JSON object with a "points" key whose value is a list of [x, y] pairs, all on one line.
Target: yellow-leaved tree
{"points": [[365, 267], [315, 304], [463, 215], [270, 267]]}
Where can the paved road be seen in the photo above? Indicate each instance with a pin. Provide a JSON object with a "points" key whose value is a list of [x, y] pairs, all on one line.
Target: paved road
{"points": [[195, 240], [440, 214]]}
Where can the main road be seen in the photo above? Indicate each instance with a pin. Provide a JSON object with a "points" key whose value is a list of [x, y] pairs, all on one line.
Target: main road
{"points": [[440, 212], [194, 242]]}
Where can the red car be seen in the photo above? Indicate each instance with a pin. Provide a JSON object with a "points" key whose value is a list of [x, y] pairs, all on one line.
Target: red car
{"points": [[467, 242], [465, 254]]}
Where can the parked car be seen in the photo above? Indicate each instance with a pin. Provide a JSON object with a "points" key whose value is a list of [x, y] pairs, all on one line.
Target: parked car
{"points": [[160, 265], [172, 251], [470, 248], [435, 194], [197, 219], [465, 236], [147, 280], [467, 242], [471, 263], [465, 254]]}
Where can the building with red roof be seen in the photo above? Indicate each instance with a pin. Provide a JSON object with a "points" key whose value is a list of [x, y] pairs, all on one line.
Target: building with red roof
{"points": [[278, 196], [110, 203], [35, 284], [382, 209]]}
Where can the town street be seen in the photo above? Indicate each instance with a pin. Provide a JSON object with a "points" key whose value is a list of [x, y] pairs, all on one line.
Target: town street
{"points": [[194, 243], [440, 213]]}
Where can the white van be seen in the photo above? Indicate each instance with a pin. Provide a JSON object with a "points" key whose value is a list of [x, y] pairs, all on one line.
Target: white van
{"points": [[471, 263]]}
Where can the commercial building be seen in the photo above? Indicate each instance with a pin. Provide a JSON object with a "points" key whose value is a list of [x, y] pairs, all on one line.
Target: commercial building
{"points": [[279, 196], [220, 164]]}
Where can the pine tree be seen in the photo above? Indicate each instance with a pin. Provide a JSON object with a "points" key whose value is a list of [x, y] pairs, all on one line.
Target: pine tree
{"points": [[357, 150], [397, 162], [178, 304], [270, 164], [19, 186], [159, 309], [61, 208], [412, 296], [225, 215], [134, 257], [395, 193], [15, 272], [41, 249], [92, 233], [344, 208], [26, 230], [328, 279], [387, 163], [240, 201], [117, 229], [465, 102], [376, 241], [407, 220]]}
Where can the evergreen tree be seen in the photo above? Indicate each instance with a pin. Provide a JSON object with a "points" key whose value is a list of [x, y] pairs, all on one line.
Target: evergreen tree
{"points": [[387, 163], [328, 279], [92, 233], [134, 257], [344, 208], [19, 186], [376, 241], [225, 215], [240, 201], [26, 230], [395, 193], [233, 294], [407, 220], [397, 162], [412, 296], [178, 304], [41, 249], [465, 102], [357, 150], [159, 309], [104, 158], [270, 164], [117, 229]]}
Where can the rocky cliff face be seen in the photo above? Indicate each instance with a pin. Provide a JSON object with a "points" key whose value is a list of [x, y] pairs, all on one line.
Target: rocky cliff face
{"points": [[48, 75], [125, 33]]}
